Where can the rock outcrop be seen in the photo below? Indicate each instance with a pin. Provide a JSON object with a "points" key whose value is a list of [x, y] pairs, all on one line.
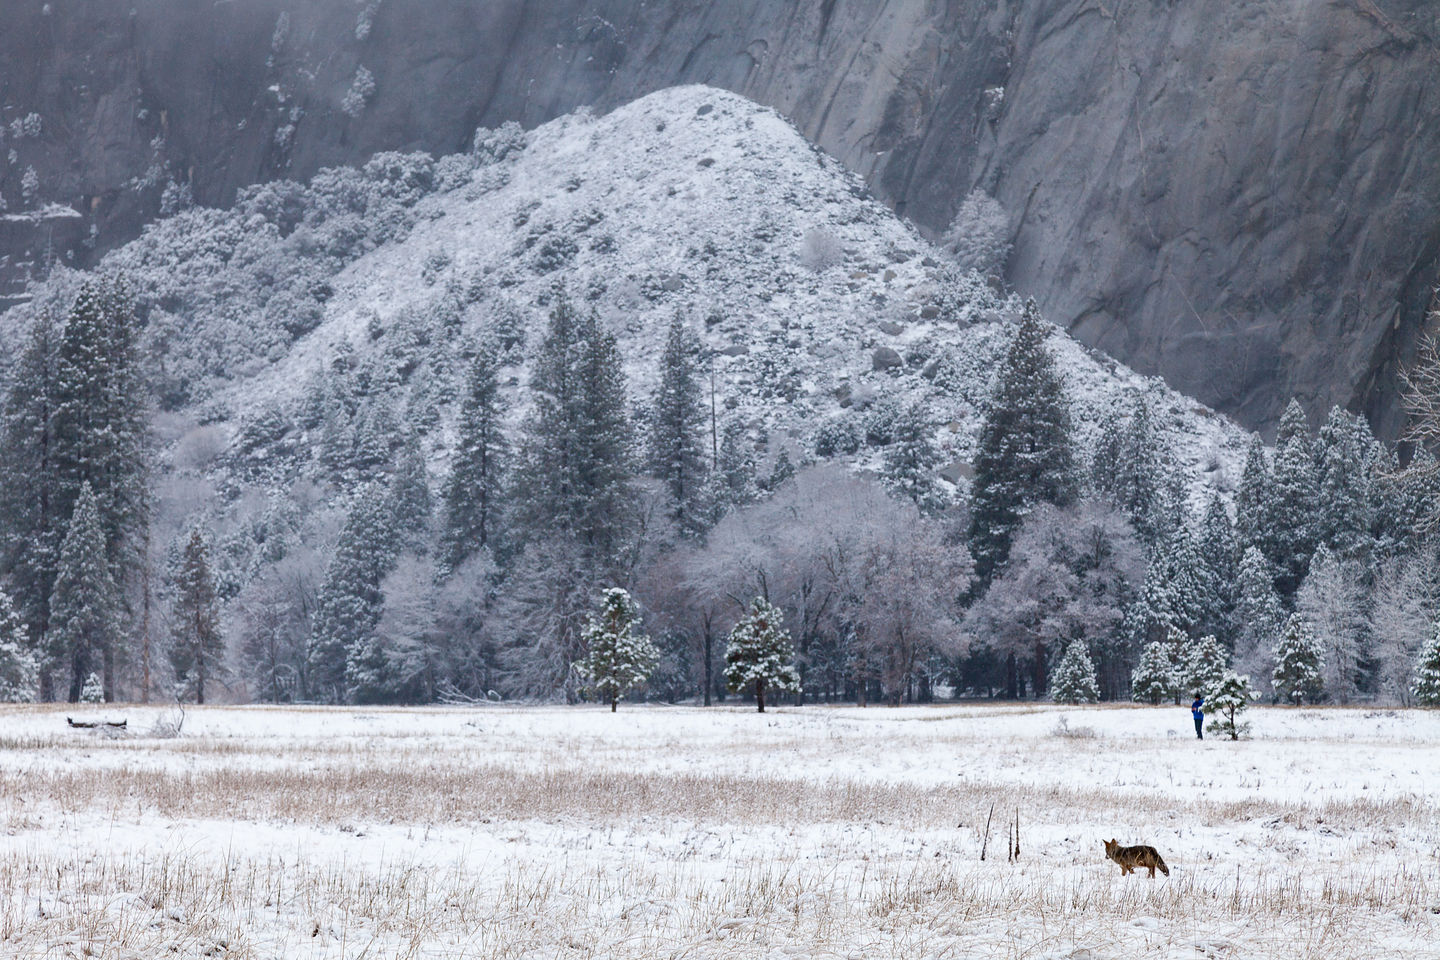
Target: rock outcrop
{"points": [[1242, 195]]}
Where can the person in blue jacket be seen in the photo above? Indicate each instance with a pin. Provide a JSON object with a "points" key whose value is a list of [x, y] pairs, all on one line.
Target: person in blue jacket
{"points": [[1197, 710]]}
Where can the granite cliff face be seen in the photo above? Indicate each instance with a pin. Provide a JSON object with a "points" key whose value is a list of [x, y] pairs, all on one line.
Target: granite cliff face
{"points": [[1242, 195]]}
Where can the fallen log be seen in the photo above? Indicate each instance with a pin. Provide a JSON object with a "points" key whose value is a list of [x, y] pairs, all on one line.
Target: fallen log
{"points": [[88, 724]]}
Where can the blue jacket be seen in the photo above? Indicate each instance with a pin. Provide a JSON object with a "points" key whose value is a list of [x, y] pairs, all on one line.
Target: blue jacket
{"points": [[1195, 708]]}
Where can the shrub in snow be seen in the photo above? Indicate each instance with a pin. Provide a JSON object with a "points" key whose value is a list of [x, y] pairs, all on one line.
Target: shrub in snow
{"points": [[978, 237], [1073, 680], [839, 435], [618, 661], [93, 691], [492, 146], [1231, 698], [19, 673], [820, 250], [758, 655], [1204, 668], [362, 88], [1427, 673], [1153, 679], [1299, 664]]}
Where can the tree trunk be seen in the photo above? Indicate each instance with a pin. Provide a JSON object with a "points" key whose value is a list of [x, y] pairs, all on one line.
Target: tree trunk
{"points": [[614, 701], [760, 694], [709, 653]]}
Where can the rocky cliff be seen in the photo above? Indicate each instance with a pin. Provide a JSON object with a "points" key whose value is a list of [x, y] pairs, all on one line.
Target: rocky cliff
{"points": [[1242, 195]]}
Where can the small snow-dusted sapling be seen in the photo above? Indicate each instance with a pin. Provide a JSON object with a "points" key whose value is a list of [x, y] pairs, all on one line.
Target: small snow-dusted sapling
{"points": [[1299, 664], [1073, 681], [1153, 678], [1204, 667], [759, 655], [1427, 673], [618, 660], [1229, 700]]}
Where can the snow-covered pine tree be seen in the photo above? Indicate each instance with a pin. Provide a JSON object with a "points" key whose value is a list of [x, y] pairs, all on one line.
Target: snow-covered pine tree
{"points": [[1342, 520], [350, 602], [1073, 680], [617, 660], [1218, 572], [678, 419], [1426, 685], [1153, 679], [410, 506], [1105, 455], [1171, 599], [734, 479], [1299, 664], [1024, 452], [473, 492], [29, 495], [1252, 500], [1204, 667], [1292, 510], [910, 461], [19, 670], [1257, 611], [1232, 697], [197, 648], [1332, 600], [1138, 472], [93, 690], [758, 653], [85, 611]]}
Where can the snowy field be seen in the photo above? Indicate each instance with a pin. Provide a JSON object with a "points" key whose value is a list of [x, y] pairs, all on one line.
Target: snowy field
{"points": [[501, 832]]}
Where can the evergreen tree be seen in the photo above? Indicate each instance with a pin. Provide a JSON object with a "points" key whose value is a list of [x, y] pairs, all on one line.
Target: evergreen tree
{"points": [[1232, 697], [85, 612], [1171, 597], [473, 492], [351, 603], [19, 668], [1252, 500], [410, 507], [1138, 473], [1298, 664], [1205, 664], [676, 456], [29, 490], [1342, 520], [616, 660], [1426, 686], [1024, 454], [735, 473], [1218, 572], [1332, 601], [758, 653], [1073, 680], [911, 460], [1292, 509], [197, 649], [1103, 459], [1153, 679], [93, 690], [1257, 611]]}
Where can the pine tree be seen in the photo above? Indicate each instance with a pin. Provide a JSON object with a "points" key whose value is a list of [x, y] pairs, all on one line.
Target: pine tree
{"points": [[1252, 500], [1024, 454], [1204, 667], [1106, 454], [19, 668], [197, 649], [1232, 697], [1257, 611], [1332, 601], [1138, 473], [351, 603], [1342, 519], [1299, 664], [1426, 686], [735, 473], [93, 690], [1218, 572], [616, 659], [676, 455], [473, 492], [758, 653], [1153, 679], [1073, 680], [1292, 513], [85, 612], [410, 507], [910, 461]]}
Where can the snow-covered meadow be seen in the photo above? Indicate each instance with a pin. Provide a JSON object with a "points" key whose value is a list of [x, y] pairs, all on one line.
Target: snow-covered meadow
{"points": [[679, 831]]}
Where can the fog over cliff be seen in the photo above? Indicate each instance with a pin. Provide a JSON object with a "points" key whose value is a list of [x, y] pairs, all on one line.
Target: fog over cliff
{"points": [[1241, 195]]}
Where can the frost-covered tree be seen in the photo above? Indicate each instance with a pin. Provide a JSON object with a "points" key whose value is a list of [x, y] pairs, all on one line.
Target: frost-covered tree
{"points": [[1404, 605], [1218, 572], [617, 660], [197, 648], [19, 670], [911, 460], [1252, 500], [1137, 473], [85, 610], [1299, 664], [1024, 453], [1426, 685], [979, 235], [1332, 601], [1257, 612], [1153, 679], [1073, 679], [759, 655], [1204, 667], [410, 504], [733, 481], [1293, 500], [1231, 698], [678, 417], [93, 690], [472, 497], [1342, 521]]}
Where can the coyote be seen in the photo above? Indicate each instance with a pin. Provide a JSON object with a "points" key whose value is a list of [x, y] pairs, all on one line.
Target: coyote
{"points": [[1131, 857]]}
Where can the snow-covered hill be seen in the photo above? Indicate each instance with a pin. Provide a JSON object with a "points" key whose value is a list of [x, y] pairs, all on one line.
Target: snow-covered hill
{"points": [[816, 303]]}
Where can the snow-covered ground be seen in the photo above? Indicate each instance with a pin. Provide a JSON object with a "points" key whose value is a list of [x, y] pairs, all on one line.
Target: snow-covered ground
{"points": [[669, 832]]}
